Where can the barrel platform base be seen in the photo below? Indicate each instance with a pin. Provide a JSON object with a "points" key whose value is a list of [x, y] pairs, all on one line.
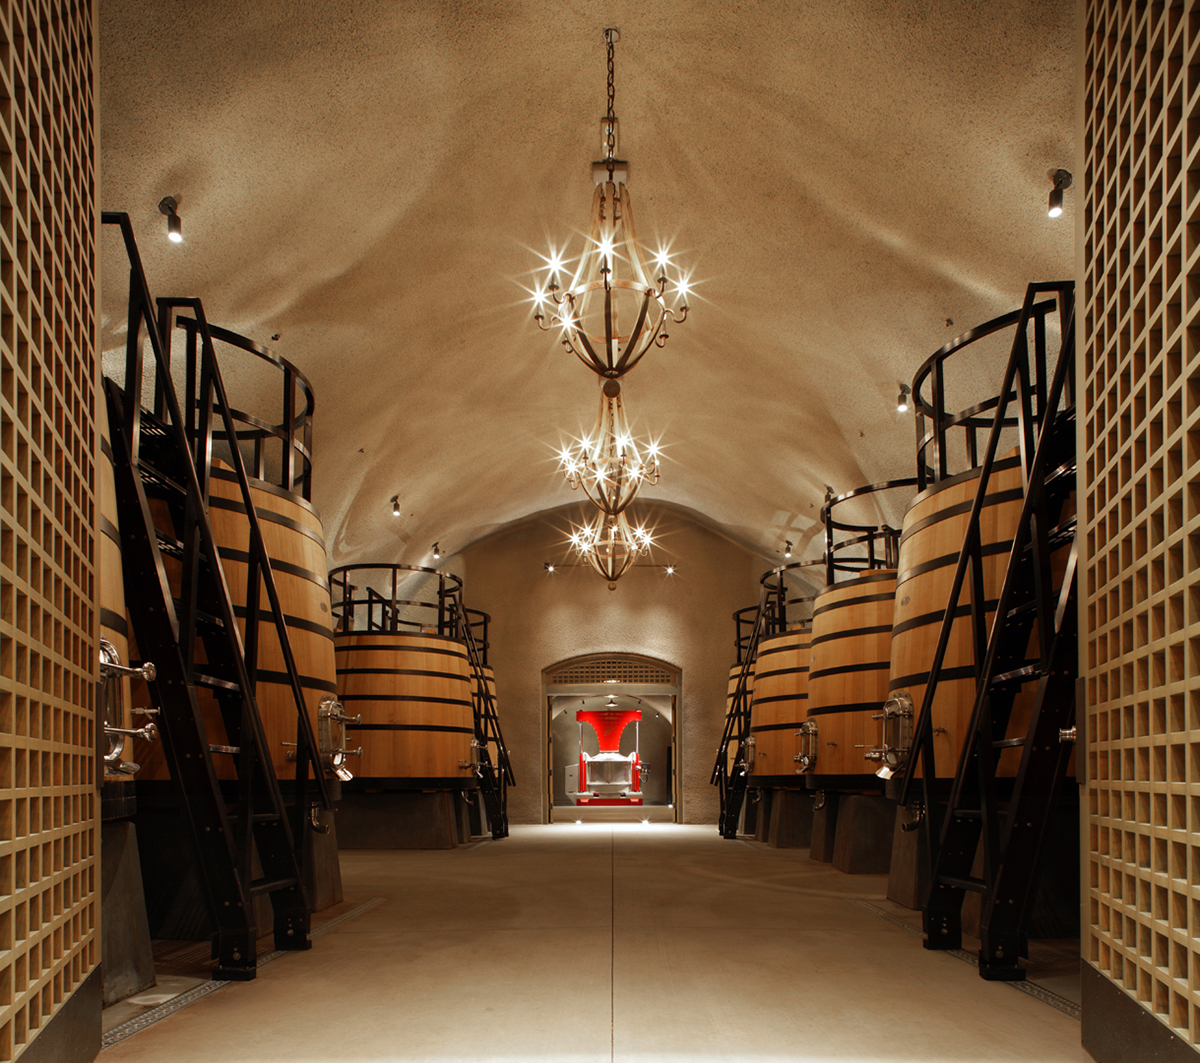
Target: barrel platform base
{"points": [[791, 824], [398, 819], [860, 784], [908, 877], [824, 829], [863, 845]]}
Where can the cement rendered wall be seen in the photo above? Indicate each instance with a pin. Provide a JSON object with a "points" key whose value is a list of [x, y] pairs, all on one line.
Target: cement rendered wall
{"points": [[539, 619]]}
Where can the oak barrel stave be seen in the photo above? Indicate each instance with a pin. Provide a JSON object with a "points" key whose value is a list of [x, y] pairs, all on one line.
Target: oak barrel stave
{"points": [[780, 705], [413, 692], [848, 676]]}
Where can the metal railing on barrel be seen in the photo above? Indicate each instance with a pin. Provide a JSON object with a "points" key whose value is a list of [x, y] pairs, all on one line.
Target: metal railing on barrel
{"points": [[378, 598]]}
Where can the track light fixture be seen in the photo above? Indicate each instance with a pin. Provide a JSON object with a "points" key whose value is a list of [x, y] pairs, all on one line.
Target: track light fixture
{"points": [[902, 399], [1062, 179], [169, 206], [395, 505], [437, 553]]}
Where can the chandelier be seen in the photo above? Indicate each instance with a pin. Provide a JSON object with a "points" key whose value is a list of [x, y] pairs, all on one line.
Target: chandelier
{"points": [[608, 464], [610, 544], [611, 311]]}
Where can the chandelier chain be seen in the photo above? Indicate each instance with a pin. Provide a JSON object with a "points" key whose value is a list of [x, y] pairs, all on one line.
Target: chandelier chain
{"points": [[611, 136]]}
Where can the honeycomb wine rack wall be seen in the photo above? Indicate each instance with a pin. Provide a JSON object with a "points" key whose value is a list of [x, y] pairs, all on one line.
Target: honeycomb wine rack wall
{"points": [[49, 880], [1140, 196]]}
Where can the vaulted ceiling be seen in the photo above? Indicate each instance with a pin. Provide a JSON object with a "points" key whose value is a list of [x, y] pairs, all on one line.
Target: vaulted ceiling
{"points": [[848, 184]]}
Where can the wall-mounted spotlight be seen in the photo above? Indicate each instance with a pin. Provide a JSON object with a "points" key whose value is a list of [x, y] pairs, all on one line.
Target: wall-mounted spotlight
{"points": [[395, 505], [902, 398], [787, 550], [1062, 179], [436, 551], [169, 206]]}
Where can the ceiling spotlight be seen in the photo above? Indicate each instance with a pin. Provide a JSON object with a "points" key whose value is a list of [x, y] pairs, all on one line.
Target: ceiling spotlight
{"points": [[169, 206], [395, 505], [1062, 179], [548, 566], [436, 552], [670, 570], [787, 552], [902, 399]]}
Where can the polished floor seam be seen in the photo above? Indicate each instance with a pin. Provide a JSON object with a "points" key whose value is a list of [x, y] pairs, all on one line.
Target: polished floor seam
{"points": [[612, 952], [169, 1007], [1046, 996]]}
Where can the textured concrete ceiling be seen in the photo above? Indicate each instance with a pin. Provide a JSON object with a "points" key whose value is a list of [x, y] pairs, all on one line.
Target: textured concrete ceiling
{"points": [[374, 181]]}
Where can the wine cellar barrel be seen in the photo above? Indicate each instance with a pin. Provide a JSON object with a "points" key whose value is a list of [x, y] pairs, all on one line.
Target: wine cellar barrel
{"points": [[848, 676], [780, 704], [294, 540], [930, 542], [114, 625], [413, 692]]}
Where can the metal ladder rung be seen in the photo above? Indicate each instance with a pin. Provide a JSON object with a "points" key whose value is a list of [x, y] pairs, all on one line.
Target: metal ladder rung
{"points": [[213, 683], [232, 750], [260, 886], [1019, 675], [971, 885]]}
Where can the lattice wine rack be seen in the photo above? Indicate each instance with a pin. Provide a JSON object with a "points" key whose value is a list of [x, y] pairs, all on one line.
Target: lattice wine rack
{"points": [[48, 801], [1140, 197]]}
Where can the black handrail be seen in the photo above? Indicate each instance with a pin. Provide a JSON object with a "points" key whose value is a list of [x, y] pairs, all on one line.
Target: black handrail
{"points": [[212, 389], [294, 429], [882, 541], [1025, 384], [934, 468]]}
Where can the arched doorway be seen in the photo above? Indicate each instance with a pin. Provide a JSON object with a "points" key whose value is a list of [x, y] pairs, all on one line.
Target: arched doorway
{"points": [[645, 689]]}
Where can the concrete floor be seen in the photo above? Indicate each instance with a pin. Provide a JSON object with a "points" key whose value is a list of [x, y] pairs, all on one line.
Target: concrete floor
{"points": [[610, 943]]}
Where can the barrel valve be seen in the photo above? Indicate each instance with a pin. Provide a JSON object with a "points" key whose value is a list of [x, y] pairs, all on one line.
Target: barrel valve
{"points": [[111, 710], [895, 734], [331, 738], [748, 754], [807, 757]]}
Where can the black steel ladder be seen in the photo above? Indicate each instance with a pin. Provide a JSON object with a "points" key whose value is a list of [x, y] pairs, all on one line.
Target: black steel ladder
{"points": [[974, 821], [178, 610]]}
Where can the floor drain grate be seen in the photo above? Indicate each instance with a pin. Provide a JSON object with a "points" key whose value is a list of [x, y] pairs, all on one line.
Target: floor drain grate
{"points": [[152, 1015], [1046, 996]]}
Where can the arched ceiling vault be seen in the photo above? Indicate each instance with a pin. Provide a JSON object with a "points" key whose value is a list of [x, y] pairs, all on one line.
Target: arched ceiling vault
{"points": [[373, 182]]}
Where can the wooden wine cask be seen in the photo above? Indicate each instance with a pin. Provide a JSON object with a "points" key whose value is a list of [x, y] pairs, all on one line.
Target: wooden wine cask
{"points": [[731, 749], [295, 542], [414, 694], [114, 624], [930, 541], [848, 677], [780, 705]]}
